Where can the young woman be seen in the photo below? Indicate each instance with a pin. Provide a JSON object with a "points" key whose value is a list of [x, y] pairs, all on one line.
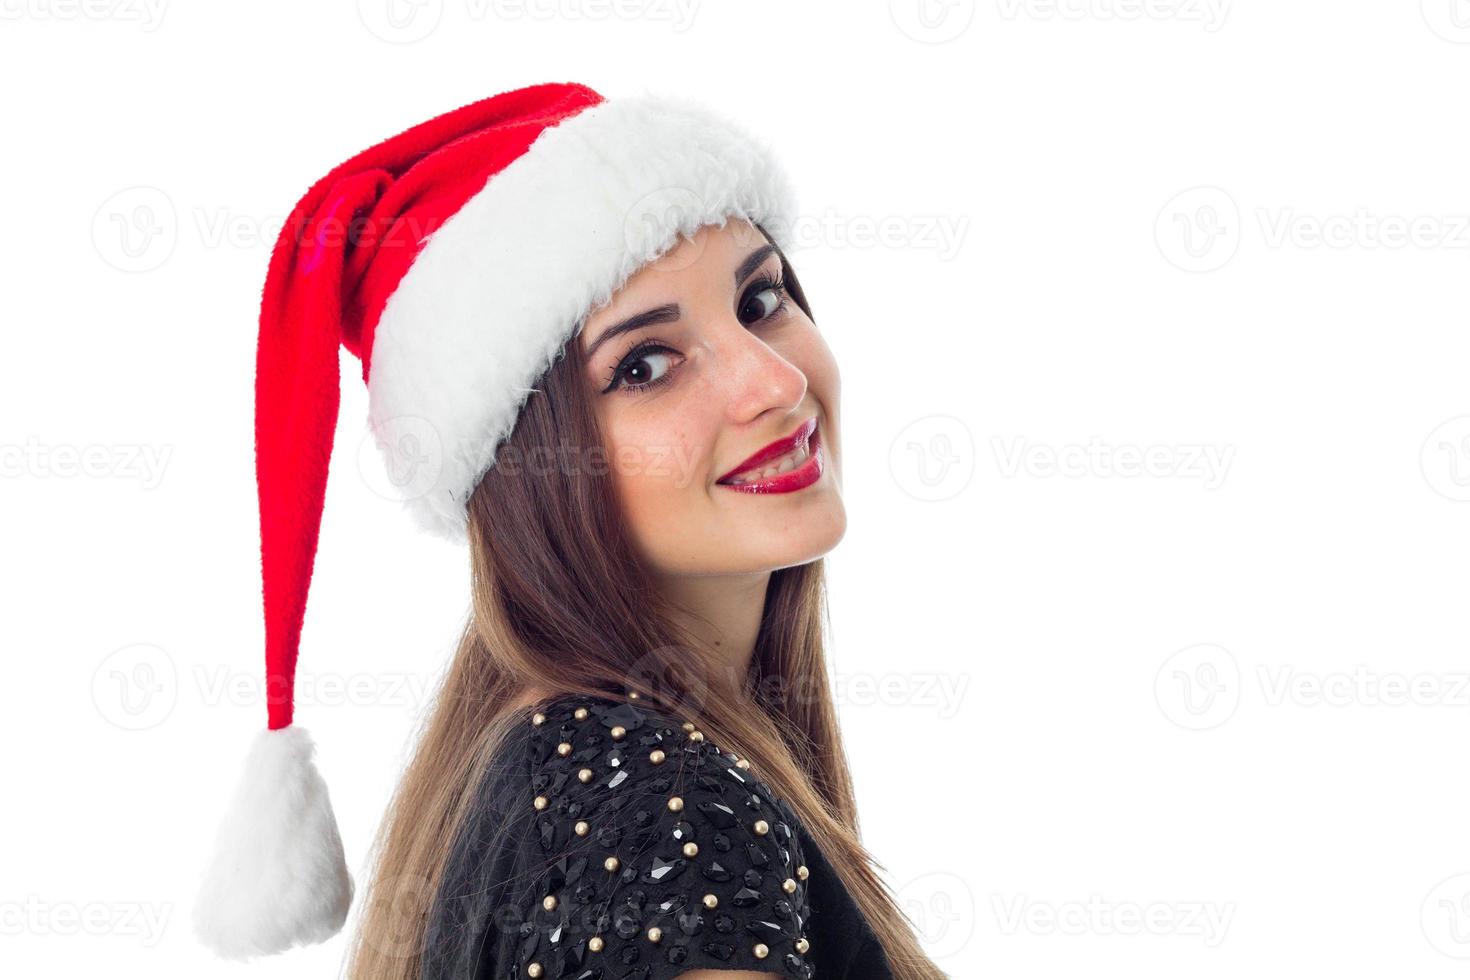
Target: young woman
{"points": [[633, 768]]}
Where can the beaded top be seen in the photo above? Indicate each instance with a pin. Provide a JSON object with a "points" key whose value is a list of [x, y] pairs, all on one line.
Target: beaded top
{"points": [[637, 850]]}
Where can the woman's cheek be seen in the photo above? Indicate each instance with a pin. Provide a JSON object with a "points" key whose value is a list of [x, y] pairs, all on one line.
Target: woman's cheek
{"points": [[656, 480], [651, 466], [816, 361]]}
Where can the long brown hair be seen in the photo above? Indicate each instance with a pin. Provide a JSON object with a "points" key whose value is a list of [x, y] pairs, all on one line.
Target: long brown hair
{"points": [[546, 538]]}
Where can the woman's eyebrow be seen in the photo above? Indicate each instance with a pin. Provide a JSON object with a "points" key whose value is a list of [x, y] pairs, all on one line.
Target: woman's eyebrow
{"points": [[669, 312], [752, 262], [659, 314]]}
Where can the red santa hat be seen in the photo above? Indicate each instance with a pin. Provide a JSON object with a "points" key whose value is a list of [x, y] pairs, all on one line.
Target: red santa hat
{"points": [[455, 260]]}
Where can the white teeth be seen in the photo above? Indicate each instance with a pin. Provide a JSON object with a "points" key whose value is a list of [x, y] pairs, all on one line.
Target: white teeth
{"points": [[784, 464]]}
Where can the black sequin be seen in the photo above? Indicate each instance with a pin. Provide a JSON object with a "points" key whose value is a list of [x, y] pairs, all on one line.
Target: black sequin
{"points": [[699, 884]]}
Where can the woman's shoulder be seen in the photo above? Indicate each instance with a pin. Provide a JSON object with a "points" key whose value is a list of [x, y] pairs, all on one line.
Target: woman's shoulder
{"points": [[660, 851], [632, 744]]}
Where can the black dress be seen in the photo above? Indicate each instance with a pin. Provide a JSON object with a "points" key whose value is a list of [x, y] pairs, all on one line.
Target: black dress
{"points": [[610, 842]]}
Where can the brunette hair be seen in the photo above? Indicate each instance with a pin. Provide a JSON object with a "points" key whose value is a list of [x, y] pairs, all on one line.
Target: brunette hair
{"points": [[545, 541]]}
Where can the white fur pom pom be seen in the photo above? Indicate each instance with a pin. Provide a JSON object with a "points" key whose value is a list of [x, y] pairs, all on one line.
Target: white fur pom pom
{"points": [[278, 877]]}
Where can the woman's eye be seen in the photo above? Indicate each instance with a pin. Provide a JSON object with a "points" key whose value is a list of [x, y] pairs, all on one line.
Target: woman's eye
{"points": [[761, 305], [646, 368]]}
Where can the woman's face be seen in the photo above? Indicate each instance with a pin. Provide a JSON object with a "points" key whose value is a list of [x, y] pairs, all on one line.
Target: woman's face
{"points": [[724, 366]]}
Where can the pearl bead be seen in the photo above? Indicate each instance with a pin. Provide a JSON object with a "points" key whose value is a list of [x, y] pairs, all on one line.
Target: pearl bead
{"points": [[611, 864], [688, 726], [657, 756], [538, 719], [802, 872], [788, 886], [580, 714], [691, 849], [549, 903], [595, 944], [581, 828], [802, 945], [565, 748], [541, 802], [743, 763], [655, 934], [585, 775], [761, 951], [696, 736], [760, 827], [618, 732], [711, 901], [534, 970], [676, 803]]}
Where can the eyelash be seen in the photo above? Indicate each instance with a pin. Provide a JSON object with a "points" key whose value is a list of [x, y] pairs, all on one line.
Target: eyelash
{"points": [[653, 345]]}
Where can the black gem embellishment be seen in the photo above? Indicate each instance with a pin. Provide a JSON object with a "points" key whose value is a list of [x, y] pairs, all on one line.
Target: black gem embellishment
{"points": [[718, 814], [715, 871], [767, 932], [664, 870], [720, 951], [745, 898], [625, 923]]}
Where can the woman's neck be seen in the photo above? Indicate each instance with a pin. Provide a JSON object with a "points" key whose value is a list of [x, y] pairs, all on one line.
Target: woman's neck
{"points": [[722, 611]]}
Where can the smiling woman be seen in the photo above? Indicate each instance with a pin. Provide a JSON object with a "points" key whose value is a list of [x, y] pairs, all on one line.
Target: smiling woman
{"points": [[633, 767], [687, 804], [733, 380]]}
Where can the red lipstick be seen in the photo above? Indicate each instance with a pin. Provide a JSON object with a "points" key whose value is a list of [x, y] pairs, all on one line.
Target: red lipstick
{"points": [[804, 474]]}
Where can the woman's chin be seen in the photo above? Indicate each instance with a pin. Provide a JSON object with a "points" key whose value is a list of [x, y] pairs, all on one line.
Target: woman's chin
{"points": [[793, 539]]}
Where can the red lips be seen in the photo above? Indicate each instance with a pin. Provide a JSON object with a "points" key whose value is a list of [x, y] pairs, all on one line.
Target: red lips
{"points": [[780, 447]]}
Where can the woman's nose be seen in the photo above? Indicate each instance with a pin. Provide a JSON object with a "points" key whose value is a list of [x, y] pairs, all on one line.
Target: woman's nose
{"points": [[755, 377]]}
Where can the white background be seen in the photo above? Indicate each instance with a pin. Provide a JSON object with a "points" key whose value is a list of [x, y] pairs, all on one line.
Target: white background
{"points": [[1205, 719]]}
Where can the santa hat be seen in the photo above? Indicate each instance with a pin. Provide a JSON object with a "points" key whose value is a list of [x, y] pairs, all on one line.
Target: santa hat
{"points": [[455, 260]]}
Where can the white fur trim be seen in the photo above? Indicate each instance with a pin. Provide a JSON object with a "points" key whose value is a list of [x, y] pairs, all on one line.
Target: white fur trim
{"points": [[497, 291], [278, 877]]}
